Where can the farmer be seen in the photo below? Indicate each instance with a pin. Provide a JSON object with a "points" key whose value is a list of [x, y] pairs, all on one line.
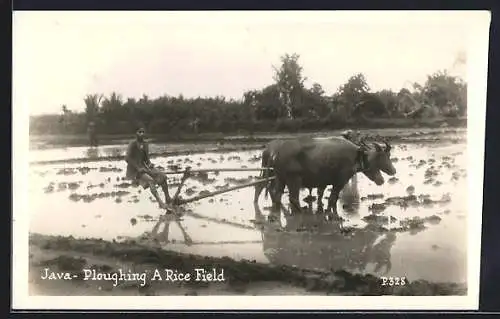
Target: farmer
{"points": [[142, 171]]}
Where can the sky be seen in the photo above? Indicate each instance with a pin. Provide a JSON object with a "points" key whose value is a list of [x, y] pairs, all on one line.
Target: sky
{"points": [[59, 57]]}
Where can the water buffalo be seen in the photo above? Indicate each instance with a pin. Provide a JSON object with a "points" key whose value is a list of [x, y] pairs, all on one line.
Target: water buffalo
{"points": [[273, 146], [310, 163]]}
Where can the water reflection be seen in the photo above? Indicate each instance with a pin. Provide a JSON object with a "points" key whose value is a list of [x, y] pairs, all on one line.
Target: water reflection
{"points": [[311, 241], [349, 197], [166, 220]]}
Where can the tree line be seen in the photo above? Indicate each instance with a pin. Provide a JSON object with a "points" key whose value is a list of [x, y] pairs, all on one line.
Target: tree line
{"points": [[285, 105]]}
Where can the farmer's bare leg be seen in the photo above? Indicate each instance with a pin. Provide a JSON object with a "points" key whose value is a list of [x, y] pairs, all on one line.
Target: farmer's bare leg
{"points": [[148, 182], [161, 179]]}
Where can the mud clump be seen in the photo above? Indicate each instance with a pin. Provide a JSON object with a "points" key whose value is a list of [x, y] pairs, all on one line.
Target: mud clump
{"points": [[64, 185], [104, 169], [146, 217], [429, 181], [255, 159], [374, 196], [234, 158], [393, 180], [377, 207], [189, 191], [402, 201], [421, 163], [446, 198], [455, 176], [413, 224], [414, 201], [410, 190], [87, 198], [66, 171], [219, 187], [202, 177], [431, 172], [378, 219], [174, 167], [49, 188], [433, 219], [84, 170], [123, 185]]}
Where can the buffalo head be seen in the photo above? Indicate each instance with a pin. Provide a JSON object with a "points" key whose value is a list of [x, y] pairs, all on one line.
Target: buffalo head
{"points": [[378, 158]]}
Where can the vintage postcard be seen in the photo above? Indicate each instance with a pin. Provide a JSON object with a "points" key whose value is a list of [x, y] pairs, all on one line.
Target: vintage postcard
{"points": [[248, 160]]}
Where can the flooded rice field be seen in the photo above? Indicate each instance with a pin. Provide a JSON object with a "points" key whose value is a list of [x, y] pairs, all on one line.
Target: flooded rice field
{"points": [[413, 226]]}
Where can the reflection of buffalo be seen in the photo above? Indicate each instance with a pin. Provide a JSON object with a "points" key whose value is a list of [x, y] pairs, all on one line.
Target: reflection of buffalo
{"points": [[310, 241]]}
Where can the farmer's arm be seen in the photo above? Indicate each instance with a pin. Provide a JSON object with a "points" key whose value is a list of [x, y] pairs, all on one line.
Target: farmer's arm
{"points": [[147, 159]]}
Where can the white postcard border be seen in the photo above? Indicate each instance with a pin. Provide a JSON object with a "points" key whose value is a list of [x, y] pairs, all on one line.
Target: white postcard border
{"points": [[477, 59]]}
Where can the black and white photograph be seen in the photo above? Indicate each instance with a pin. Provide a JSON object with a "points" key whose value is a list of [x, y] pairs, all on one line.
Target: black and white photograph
{"points": [[248, 160]]}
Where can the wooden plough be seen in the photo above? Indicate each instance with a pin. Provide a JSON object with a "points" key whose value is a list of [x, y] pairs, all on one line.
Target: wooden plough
{"points": [[176, 201]]}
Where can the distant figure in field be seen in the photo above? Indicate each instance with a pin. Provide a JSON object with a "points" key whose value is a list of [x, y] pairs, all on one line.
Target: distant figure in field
{"points": [[91, 130], [141, 171], [350, 194], [353, 136]]}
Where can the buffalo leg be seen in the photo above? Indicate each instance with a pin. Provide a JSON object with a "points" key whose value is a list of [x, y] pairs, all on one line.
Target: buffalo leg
{"points": [[294, 190], [332, 200], [276, 192], [258, 189], [263, 174], [334, 196], [321, 192]]}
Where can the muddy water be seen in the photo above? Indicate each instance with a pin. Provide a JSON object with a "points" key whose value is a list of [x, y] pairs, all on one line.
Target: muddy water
{"points": [[69, 153], [413, 226]]}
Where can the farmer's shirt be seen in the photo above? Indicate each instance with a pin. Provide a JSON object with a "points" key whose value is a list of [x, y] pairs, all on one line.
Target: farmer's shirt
{"points": [[137, 157]]}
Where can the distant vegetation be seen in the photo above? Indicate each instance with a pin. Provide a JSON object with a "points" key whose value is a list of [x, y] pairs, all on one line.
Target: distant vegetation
{"points": [[286, 105]]}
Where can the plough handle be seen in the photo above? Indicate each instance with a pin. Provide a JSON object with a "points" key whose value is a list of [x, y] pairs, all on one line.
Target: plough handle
{"points": [[196, 198], [208, 170]]}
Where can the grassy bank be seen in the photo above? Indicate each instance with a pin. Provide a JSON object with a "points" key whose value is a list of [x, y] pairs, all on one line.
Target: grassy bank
{"points": [[243, 136]]}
